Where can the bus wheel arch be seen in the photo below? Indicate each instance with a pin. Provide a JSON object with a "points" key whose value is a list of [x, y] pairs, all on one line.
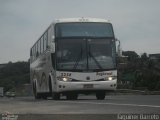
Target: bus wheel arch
{"points": [[55, 96]]}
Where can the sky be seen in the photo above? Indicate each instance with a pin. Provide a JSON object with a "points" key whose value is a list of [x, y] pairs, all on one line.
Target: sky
{"points": [[136, 23]]}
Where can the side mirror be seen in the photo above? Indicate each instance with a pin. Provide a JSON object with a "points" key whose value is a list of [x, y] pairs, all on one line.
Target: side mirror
{"points": [[53, 38], [121, 60], [119, 50], [52, 47]]}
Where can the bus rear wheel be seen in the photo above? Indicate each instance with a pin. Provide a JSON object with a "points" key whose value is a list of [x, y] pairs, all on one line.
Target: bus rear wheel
{"points": [[100, 95], [36, 95], [44, 96], [72, 96]]}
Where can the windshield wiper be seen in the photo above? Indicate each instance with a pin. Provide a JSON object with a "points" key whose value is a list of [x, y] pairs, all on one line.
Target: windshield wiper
{"points": [[78, 59], [91, 55]]}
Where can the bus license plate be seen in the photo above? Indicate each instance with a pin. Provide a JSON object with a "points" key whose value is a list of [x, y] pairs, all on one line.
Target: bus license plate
{"points": [[88, 86]]}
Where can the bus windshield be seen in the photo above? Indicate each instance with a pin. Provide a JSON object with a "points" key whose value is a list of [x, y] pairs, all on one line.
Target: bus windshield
{"points": [[88, 29], [77, 54]]}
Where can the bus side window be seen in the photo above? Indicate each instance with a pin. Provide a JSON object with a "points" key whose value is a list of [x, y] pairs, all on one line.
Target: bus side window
{"points": [[42, 44], [37, 54], [39, 47], [31, 56], [45, 41], [34, 52]]}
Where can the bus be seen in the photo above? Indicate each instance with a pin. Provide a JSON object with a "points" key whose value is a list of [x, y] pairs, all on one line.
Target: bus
{"points": [[74, 56]]}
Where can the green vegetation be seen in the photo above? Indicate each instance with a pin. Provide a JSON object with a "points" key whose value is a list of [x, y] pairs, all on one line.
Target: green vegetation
{"points": [[13, 75], [140, 72]]}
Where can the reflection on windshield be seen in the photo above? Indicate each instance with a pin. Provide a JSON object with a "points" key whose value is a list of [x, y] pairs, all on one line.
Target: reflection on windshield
{"points": [[69, 54], [100, 54], [84, 29], [85, 54]]}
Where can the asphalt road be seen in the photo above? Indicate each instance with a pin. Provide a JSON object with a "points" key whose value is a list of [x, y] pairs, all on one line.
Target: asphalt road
{"points": [[114, 104]]}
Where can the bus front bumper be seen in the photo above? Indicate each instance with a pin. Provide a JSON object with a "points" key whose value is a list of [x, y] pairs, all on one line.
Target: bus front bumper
{"points": [[87, 86]]}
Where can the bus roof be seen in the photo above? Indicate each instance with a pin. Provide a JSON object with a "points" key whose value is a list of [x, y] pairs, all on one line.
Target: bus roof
{"points": [[80, 20]]}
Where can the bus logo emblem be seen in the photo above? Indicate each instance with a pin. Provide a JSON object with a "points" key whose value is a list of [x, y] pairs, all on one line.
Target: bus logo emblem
{"points": [[87, 78]]}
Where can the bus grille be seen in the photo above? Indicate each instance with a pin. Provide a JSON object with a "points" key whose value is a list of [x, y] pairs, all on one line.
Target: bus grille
{"points": [[74, 80]]}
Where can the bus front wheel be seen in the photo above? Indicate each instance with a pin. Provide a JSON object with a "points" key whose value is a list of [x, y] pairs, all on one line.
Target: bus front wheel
{"points": [[72, 96], [100, 95], [55, 96]]}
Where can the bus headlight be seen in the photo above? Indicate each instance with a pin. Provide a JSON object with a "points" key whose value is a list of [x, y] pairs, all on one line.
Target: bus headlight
{"points": [[65, 79], [110, 78]]}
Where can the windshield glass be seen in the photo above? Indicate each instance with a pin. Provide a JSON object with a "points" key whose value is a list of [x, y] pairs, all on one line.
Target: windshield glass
{"points": [[84, 29], [85, 54], [70, 54], [100, 54]]}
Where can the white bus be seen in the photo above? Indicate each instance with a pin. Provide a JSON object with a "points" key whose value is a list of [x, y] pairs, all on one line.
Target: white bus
{"points": [[74, 56]]}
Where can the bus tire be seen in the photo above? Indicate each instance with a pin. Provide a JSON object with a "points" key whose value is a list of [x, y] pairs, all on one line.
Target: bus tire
{"points": [[50, 87], [56, 96], [100, 95], [36, 95], [44, 96], [72, 96]]}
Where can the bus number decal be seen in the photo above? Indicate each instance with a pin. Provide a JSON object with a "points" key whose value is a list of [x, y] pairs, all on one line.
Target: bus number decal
{"points": [[65, 74]]}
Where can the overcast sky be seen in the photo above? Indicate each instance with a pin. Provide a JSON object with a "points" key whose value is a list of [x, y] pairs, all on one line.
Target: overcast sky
{"points": [[136, 22]]}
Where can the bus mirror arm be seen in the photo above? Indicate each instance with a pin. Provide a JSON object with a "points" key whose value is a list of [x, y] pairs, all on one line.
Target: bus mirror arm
{"points": [[52, 47], [53, 38], [119, 51]]}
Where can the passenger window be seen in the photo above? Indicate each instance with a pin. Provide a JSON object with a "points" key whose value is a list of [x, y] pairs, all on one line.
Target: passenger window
{"points": [[42, 44], [45, 41], [39, 47]]}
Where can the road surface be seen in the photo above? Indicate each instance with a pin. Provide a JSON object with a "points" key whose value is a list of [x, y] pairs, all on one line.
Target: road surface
{"points": [[113, 104]]}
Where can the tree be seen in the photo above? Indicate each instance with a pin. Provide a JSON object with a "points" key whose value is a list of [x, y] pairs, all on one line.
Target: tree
{"points": [[132, 55], [14, 74], [144, 57]]}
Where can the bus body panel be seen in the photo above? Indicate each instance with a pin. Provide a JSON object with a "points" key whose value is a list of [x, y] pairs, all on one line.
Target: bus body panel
{"points": [[97, 80], [40, 69], [80, 86]]}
